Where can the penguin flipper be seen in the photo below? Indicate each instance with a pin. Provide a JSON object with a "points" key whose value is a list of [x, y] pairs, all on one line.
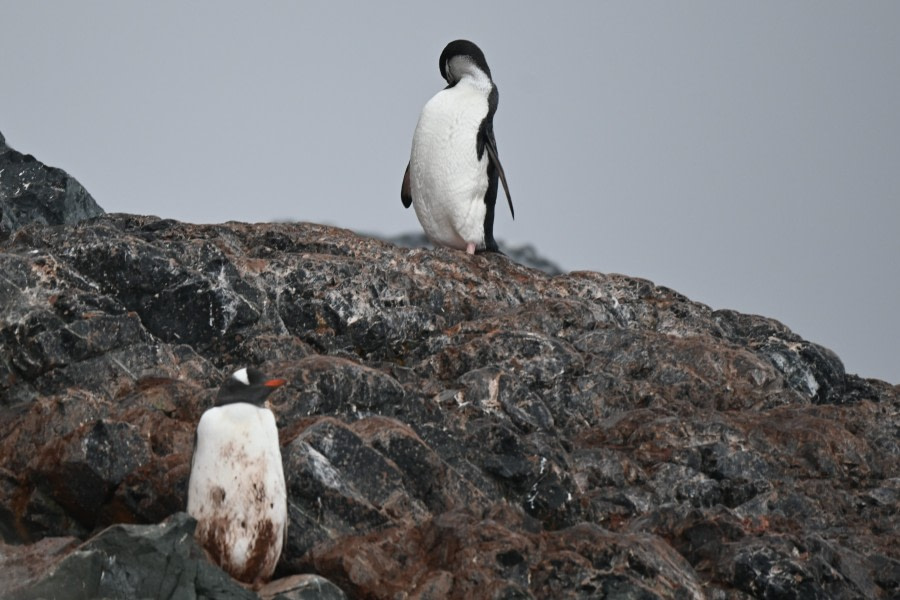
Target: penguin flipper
{"points": [[405, 194], [190, 476], [491, 145]]}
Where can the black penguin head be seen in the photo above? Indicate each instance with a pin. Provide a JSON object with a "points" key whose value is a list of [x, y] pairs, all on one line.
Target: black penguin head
{"points": [[461, 57], [248, 385]]}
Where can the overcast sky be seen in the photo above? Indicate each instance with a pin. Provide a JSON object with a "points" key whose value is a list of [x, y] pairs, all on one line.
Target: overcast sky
{"points": [[744, 154]]}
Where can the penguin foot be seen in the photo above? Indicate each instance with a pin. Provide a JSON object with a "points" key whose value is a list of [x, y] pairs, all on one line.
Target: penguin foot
{"points": [[490, 247], [470, 248]]}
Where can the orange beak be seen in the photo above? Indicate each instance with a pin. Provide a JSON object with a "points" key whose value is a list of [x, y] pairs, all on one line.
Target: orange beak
{"points": [[274, 383]]}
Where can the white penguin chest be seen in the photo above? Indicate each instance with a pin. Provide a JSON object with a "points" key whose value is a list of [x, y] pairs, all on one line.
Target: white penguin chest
{"points": [[448, 182]]}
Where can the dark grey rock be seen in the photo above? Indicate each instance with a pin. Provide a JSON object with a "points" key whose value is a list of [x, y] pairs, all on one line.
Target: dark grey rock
{"points": [[812, 370], [767, 572], [32, 192], [136, 561], [81, 470]]}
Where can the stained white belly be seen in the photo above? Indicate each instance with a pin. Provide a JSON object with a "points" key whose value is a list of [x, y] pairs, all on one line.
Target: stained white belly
{"points": [[237, 491], [447, 181]]}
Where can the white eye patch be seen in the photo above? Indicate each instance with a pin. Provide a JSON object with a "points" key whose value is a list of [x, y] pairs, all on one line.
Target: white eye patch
{"points": [[241, 375]]}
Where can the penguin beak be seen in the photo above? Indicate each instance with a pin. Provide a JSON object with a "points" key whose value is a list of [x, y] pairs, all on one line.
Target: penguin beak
{"points": [[275, 383]]}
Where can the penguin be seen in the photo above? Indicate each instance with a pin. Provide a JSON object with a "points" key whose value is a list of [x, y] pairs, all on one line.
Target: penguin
{"points": [[451, 178], [236, 491]]}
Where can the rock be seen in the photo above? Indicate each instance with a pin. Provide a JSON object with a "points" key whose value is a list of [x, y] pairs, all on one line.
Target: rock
{"points": [[501, 555], [135, 561], [32, 192], [302, 587], [526, 255], [452, 426], [23, 566]]}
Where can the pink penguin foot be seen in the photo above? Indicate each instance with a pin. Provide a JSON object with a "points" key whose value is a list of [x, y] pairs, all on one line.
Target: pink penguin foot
{"points": [[470, 248]]}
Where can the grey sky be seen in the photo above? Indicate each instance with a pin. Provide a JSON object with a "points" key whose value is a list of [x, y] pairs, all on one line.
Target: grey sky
{"points": [[744, 154]]}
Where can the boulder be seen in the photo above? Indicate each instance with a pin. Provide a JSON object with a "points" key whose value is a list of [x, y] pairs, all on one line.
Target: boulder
{"points": [[32, 192], [130, 561]]}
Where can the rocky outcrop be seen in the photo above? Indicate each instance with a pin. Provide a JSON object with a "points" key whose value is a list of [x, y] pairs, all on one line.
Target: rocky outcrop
{"points": [[32, 192], [454, 426], [526, 255]]}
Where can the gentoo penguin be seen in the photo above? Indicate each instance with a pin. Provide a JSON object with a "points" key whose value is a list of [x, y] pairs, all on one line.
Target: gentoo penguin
{"points": [[236, 491], [451, 178]]}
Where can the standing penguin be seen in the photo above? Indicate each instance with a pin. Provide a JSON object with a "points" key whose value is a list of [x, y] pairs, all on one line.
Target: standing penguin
{"points": [[453, 168], [236, 491]]}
